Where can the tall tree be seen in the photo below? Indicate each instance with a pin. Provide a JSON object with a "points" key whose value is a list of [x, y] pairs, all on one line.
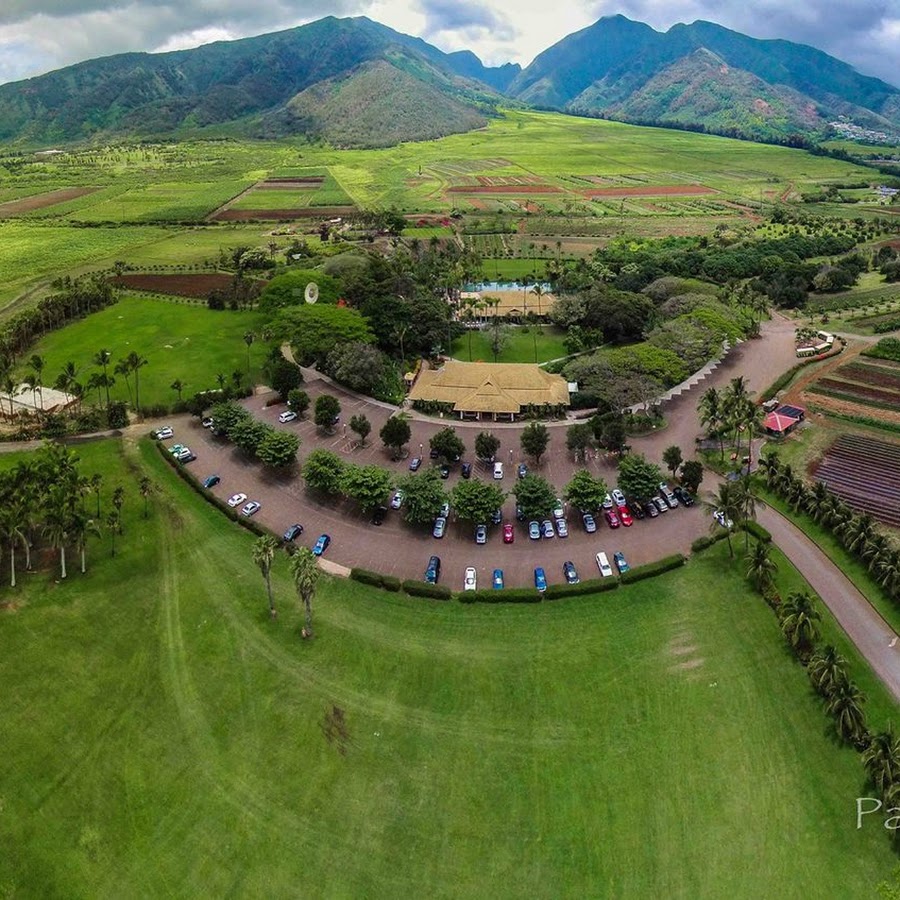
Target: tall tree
{"points": [[799, 618], [882, 760], [486, 445], [146, 491], [264, 549], [249, 337], [761, 568], [178, 386], [395, 433], [845, 703], [82, 527], [585, 492], [361, 427], [136, 362], [57, 525], [826, 668], [305, 573], [672, 458], [535, 438], [727, 501], [13, 533], [327, 409]]}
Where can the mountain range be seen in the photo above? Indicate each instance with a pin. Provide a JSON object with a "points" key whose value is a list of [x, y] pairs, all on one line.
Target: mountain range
{"points": [[356, 83]]}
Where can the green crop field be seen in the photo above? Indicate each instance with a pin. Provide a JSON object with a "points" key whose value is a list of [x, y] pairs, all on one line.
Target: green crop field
{"points": [[545, 342], [179, 341], [163, 737]]}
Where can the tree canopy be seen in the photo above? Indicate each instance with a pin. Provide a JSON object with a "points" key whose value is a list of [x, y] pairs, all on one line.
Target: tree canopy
{"points": [[315, 330], [475, 501]]}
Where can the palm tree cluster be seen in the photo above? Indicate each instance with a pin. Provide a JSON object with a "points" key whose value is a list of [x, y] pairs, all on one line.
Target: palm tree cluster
{"points": [[738, 502], [728, 413], [45, 497], [843, 699], [856, 531], [304, 573]]}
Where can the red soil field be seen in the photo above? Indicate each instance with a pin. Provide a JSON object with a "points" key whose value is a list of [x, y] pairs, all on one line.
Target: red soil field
{"points": [[661, 190], [877, 376], [310, 212], [195, 286], [863, 393], [504, 189], [40, 201]]}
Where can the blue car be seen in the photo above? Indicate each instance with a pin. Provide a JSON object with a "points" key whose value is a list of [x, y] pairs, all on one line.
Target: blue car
{"points": [[540, 579], [321, 544], [619, 560], [498, 579], [212, 481]]}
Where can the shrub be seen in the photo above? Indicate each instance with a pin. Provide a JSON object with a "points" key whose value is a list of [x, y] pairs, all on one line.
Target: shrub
{"points": [[390, 583], [756, 530], [707, 540], [423, 589], [591, 586], [364, 576], [651, 570]]}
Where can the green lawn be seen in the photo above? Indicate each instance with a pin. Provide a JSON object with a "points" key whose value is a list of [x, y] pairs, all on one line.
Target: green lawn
{"points": [[536, 344], [162, 737], [179, 340]]}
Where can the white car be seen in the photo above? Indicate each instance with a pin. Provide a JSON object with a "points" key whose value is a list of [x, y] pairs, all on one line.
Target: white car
{"points": [[618, 498], [562, 528], [288, 416], [251, 508], [498, 470], [603, 565], [164, 433], [471, 582], [558, 510], [666, 493], [236, 499], [397, 500], [719, 516], [607, 502], [185, 455]]}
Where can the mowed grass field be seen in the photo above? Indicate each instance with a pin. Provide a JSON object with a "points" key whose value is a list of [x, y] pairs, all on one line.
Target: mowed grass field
{"points": [[163, 737], [545, 342], [179, 340]]}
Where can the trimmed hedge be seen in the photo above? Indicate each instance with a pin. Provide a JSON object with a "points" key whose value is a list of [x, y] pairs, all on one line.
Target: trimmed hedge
{"points": [[505, 595], [651, 570], [390, 583], [707, 540], [756, 530], [364, 576], [423, 589], [591, 586]]}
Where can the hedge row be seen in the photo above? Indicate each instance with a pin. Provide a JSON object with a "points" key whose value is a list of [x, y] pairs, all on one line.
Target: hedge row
{"points": [[375, 579], [423, 589], [591, 586], [707, 540], [756, 530], [651, 570], [507, 595], [221, 505]]}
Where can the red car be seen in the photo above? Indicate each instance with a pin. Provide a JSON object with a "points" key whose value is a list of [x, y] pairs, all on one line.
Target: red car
{"points": [[612, 519], [508, 534], [625, 516]]}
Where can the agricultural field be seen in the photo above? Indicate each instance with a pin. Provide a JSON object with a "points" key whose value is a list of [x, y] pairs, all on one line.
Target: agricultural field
{"points": [[867, 385], [286, 197], [534, 344], [866, 474], [179, 341], [189, 741], [194, 286]]}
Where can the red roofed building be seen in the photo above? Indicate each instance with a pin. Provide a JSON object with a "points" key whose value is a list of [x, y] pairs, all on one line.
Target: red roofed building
{"points": [[777, 423]]}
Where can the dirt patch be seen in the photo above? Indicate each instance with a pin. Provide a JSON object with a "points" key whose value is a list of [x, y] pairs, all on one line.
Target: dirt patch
{"points": [[504, 189], [334, 727], [682, 649], [197, 287], [661, 190], [40, 201], [688, 665], [310, 212]]}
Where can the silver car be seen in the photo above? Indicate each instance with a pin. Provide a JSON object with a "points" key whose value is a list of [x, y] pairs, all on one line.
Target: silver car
{"points": [[440, 526]]}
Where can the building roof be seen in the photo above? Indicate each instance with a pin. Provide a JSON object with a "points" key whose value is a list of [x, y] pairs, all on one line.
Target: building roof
{"points": [[490, 387], [793, 412], [775, 421]]}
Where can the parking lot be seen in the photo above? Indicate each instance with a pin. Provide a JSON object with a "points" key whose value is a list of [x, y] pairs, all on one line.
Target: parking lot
{"points": [[398, 549]]}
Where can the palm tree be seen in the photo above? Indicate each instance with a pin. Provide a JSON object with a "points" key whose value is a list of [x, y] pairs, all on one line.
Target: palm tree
{"points": [[102, 358], [887, 573], [726, 500], [13, 533], [882, 760], [96, 483], [124, 368], [136, 362], [712, 415], [817, 501], [146, 489], [761, 568], [57, 527], [305, 572], [747, 501], [37, 363], [220, 378], [798, 622], [114, 526], [857, 532], [771, 465], [538, 291], [826, 668], [264, 549], [845, 703], [118, 499], [9, 387], [249, 337], [177, 386], [82, 526]]}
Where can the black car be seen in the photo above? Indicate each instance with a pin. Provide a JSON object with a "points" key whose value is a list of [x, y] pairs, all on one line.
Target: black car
{"points": [[211, 481], [434, 454], [651, 510], [520, 513], [379, 514], [682, 495], [522, 471], [570, 572], [415, 463], [433, 572], [636, 509], [445, 471], [466, 470], [496, 517], [293, 532]]}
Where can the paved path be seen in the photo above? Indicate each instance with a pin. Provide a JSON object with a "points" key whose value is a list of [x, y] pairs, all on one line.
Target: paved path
{"points": [[876, 641]]}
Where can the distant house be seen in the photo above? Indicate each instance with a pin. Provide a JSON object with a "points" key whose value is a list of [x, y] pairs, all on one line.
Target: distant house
{"points": [[778, 424], [490, 391]]}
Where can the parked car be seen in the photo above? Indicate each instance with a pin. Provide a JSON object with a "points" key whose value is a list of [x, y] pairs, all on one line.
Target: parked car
{"points": [[433, 570], [534, 531], [470, 583], [466, 470], [619, 560], [415, 464], [286, 417], [321, 544], [184, 455], [590, 524], [497, 579], [496, 517], [607, 502], [481, 534], [522, 470], [570, 572], [559, 509], [164, 433], [562, 528], [547, 529], [666, 493], [433, 454], [397, 500], [612, 519], [378, 515], [509, 533], [440, 526], [251, 508], [636, 509], [293, 532], [625, 517], [540, 579], [618, 498], [651, 509], [211, 481], [445, 471], [236, 499], [660, 504], [208, 422], [719, 516], [684, 496], [603, 565], [445, 510], [520, 513], [498, 470], [175, 449]]}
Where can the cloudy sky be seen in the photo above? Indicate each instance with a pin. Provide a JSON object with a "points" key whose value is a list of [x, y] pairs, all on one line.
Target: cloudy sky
{"points": [[39, 35]]}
